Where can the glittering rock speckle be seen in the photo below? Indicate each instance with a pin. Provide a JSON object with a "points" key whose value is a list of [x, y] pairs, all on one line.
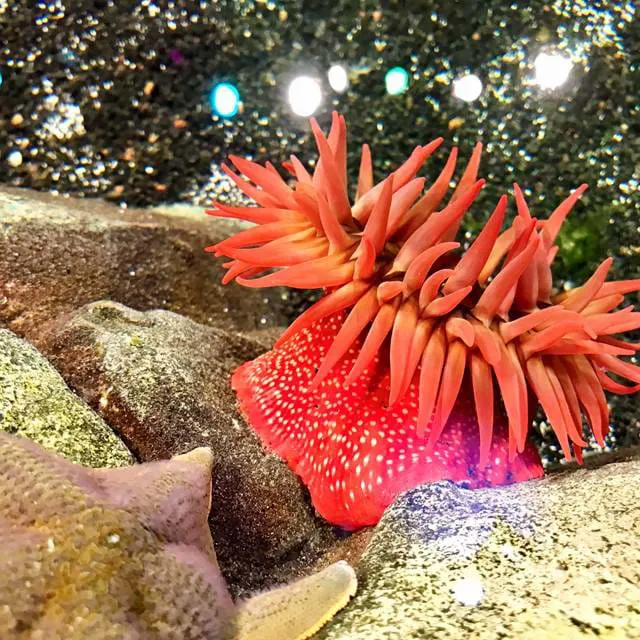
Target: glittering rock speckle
{"points": [[550, 558]]}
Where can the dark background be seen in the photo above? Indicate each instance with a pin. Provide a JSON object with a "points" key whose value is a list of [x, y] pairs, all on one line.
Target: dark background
{"points": [[111, 98]]}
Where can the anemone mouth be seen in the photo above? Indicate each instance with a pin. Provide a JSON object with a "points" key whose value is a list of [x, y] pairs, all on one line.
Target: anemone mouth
{"points": [[391, 260]]}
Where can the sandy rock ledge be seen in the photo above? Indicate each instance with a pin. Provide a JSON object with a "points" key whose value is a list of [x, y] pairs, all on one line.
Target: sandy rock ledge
{"points": [[57, 254], [542, 560]]}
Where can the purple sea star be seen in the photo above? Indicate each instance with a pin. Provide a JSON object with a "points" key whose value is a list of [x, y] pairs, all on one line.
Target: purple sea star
{"points": [[126, 554]]}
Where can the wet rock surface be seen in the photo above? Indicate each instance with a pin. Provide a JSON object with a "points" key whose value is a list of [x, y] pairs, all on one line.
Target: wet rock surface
{"points": [[36, 403], [554, 558], [551, 559], [162, 382], [57, 254]]}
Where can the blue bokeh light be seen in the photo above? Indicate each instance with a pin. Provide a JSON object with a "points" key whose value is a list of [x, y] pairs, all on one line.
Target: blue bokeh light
{"points": [[224, 99], [396, 81]]}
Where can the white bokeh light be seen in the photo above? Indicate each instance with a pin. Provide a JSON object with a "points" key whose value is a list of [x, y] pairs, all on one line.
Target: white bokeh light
{"points": [[468, 591], [552, 70], [305, 95], [467, 88], [338, 78], [14, 159]]}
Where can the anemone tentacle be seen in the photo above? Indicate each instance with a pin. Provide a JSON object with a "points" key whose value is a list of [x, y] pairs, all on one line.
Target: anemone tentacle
{"points": [[427, 314]]}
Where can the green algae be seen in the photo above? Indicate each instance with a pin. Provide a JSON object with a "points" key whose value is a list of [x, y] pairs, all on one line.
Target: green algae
{"points": [[36, 403]]}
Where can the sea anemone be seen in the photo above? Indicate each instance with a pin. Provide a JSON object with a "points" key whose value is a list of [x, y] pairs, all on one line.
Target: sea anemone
{"points": [[421, 362]]}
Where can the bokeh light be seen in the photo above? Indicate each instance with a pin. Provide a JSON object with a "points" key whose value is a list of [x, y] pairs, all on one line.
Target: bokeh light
{"points": [[468, 591], [552, 70], [467, 88], [225, 100], [396, 81], [305, 95], [14, 159], [338, 78]]}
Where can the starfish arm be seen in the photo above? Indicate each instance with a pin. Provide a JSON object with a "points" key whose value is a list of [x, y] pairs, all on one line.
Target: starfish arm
{"points": [[296, 611]]}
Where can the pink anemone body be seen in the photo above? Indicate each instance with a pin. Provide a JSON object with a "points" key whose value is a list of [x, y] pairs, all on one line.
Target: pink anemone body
{"points": [[352, 450]]}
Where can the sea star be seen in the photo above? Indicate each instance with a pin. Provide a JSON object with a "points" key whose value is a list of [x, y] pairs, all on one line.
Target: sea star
{"points": [[126, 554]]}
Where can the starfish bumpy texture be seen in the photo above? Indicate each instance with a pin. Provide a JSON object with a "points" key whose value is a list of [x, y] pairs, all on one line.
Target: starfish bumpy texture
{"points": [[127, 554]]}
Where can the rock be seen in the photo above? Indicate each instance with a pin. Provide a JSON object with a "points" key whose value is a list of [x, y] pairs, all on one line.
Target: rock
{"points": [[57, 254], [554, 558], [36, 403], [161, 381]]}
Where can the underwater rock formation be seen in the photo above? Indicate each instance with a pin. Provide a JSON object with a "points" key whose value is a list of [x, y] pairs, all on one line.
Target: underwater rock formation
{"points": [[554, 558], [35, 402], [58, 254]]}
